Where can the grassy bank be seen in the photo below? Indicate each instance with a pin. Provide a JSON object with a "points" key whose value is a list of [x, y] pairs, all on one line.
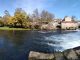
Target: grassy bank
{"points": [[7, 28]]}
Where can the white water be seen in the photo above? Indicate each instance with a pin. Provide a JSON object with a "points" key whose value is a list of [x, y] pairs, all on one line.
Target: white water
{"points": [[65, 41]]}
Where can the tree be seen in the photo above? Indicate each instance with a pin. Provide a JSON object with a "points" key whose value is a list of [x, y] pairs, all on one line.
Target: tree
{"points": [[12, 21], [35, 15], [6, 17], [46, 16], [20, 17], [0, 18], [34, 18], [73, 18], [1, 22]]}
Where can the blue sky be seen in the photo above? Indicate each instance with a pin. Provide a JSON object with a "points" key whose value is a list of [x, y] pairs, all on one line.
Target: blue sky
{"points": [[60, 8]]}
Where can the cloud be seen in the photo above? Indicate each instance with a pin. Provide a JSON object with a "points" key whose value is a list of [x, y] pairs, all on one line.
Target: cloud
{"points": [[30, 5]]}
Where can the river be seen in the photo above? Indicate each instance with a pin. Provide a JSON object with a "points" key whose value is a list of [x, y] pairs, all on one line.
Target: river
{"points": [[16, 45]]}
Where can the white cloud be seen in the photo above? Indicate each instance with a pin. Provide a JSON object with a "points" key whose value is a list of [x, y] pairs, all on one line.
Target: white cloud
{"points": [[30, 5]]}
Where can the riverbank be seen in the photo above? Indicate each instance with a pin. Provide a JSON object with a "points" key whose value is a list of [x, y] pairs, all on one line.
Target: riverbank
{"points": [[7, 28], [70, 54]]}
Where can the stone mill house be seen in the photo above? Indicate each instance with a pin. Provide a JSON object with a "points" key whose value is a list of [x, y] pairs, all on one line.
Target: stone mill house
{"points": [[68, 24]]}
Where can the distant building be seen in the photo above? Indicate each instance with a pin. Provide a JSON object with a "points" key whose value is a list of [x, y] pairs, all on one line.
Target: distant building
{"points": [[53, 24], [67, 18], [68, 23], [44, 27], [78, 24]]}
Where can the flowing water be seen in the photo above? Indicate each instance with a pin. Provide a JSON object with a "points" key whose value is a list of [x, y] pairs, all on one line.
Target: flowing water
{"points": [[16, 45]]}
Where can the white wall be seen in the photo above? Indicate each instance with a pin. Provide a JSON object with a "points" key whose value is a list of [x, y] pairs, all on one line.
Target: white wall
{"points": [[68, 25], [68, 19]]}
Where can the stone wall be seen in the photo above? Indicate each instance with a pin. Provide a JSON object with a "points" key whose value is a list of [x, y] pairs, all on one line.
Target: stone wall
{"points": [[69, 25]]}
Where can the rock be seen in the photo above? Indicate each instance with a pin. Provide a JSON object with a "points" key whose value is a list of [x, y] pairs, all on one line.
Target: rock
{"points": [[70, 54], [39, 55]]}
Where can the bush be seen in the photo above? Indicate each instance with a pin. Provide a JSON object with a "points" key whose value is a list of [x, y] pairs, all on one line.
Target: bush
{"points": [[1, 24]]}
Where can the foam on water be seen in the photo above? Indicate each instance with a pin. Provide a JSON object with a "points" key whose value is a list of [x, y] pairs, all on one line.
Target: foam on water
{"points": [[66, 41]]}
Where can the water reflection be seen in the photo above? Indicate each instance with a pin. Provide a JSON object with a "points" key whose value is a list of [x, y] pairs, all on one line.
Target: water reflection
{"points": [[15, 45]]}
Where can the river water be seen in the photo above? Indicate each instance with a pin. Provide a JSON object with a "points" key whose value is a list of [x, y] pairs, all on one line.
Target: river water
{"points": [[16, 45]]}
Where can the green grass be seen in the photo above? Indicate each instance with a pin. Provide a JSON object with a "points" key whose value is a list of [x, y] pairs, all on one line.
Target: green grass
{"points": [[7, 28]]}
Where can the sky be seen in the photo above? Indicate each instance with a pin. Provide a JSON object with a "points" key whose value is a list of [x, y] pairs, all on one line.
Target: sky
{"points": [[60, 8]]}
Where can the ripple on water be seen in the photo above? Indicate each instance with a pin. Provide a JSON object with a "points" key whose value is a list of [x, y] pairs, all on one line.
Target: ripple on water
{"points": [[65, 41]]}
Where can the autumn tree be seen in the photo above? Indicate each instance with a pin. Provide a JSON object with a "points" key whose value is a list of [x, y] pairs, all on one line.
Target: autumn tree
{"points": [[1, 22], [6, 17], [20, 17], [12, 21], [22, 20]]}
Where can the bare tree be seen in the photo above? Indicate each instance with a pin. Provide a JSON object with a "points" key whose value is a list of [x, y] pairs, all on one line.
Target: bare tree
{"points": [[73, 18], [35, 15], [46, 16]]}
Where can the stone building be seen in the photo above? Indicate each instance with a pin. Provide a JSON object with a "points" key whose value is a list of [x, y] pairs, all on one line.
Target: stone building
{"points": [[69, 24], [52, 25], [78, 24]]}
